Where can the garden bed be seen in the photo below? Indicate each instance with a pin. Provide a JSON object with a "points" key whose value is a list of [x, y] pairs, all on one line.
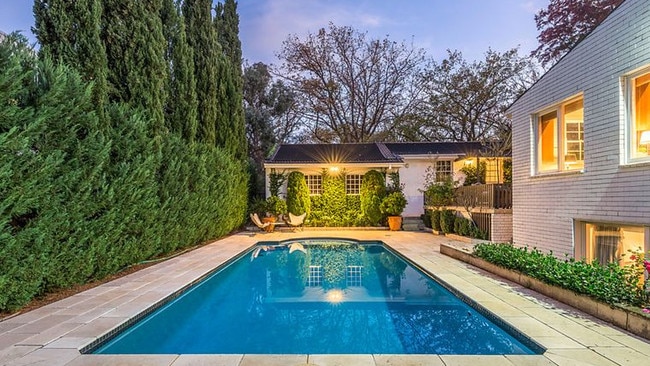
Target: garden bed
{"points": [[628, 318]]}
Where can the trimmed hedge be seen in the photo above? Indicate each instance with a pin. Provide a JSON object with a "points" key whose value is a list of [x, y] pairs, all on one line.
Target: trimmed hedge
{"points": [[372, 191], [81, 199], [298, 201], [611, 283]]}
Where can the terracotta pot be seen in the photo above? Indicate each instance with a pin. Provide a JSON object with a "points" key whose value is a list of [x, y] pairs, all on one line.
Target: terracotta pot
{"points": [[394, 223], [270, 219]]}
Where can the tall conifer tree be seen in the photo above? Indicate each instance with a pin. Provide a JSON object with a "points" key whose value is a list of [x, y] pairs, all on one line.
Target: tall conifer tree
{"points": [[135, 48], [231, 130], [202, 38], [69, 32], [181, 109]]}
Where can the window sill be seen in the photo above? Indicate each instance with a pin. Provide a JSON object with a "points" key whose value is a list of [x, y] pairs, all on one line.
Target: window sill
{"points": [[562, 173], [636, 164]]}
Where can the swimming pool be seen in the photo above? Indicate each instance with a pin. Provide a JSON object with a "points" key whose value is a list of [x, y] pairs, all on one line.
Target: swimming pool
{"points": [[317, 296]]}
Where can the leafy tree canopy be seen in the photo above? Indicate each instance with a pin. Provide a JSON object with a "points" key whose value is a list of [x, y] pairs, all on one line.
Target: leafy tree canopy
{"points": [[467, 101], [565, 22], [353, 89]]}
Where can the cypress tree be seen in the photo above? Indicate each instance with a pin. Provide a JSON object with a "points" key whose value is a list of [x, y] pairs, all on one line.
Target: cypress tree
{"points": [[181, 109], [69, 32], [231, 130], [202, 38], [135, 47]]}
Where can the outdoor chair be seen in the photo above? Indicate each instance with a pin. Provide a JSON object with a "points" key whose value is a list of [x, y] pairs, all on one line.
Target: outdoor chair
{"points": [[296, 222], [256, 220]]}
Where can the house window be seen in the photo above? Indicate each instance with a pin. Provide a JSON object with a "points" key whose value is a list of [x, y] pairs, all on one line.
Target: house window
{"points": [[610, 243], [353, 183], [560, 137], [443, 170], [315, 278], [353, 276], [640, 115], [314, 183]]}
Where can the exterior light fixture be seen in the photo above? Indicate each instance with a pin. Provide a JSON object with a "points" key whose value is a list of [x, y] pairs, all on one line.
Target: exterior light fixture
{"points": [[334, 169]]}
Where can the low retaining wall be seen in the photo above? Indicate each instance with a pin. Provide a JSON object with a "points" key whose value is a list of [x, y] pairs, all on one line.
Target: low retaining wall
{"points": [[630, 319]]}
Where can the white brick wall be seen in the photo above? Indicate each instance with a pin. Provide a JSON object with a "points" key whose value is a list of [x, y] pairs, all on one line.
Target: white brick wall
{"points": [[501, 227], [544, 207]]}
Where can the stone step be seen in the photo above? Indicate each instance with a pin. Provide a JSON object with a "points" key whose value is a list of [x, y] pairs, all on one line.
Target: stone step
{"points": [[412, 224]]}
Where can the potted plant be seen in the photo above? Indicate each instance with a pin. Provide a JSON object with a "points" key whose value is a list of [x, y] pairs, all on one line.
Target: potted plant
{"points": [[393, 205]]}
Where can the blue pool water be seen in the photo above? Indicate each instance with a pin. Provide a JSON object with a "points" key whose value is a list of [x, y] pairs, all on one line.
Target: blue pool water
{"points": [[316, 297]]}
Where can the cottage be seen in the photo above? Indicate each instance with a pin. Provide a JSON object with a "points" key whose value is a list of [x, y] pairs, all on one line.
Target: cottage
{"points": [[581, 145], [410, 159]]}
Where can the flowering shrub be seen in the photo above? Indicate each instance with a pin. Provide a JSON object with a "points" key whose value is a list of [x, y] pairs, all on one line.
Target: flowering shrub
{"points": [[638, 271]]}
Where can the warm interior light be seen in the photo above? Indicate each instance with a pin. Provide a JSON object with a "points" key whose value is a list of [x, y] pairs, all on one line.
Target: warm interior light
{"points": [[570, 159], [645, 138]]}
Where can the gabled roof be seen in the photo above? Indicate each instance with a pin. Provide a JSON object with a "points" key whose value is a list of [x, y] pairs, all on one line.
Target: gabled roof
{"points": [[434, 148], [333, 153], [364, 153]]}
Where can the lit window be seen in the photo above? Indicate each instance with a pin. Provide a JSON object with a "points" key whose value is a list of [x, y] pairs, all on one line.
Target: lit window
{"points": [[640, 116], [353, 278], [353, 183], [560, 138], [315, 278], [443, 170], [314, 183], [611, 243]]}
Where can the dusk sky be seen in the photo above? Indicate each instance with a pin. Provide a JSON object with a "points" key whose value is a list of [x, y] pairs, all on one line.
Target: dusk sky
{"points": [[471, 26]]}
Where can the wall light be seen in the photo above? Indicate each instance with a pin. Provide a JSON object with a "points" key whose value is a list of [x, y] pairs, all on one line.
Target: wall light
{"points": [[334, 169]]}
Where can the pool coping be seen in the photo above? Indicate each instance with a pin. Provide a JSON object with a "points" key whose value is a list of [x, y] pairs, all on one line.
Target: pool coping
{"points": [[55, 334]]}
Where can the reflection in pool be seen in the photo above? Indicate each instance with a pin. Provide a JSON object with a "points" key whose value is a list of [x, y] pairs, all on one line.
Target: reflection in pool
{"points": [[316, 296]]}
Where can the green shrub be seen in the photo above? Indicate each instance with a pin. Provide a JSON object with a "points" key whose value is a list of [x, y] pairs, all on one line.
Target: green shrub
{"points": [[611, 283], [426, 218], [298, 201], [393, 204], [447, 219], [474, 174], [83, 198], [439, 194], [276, 206], [372, 191], [435, 220]]}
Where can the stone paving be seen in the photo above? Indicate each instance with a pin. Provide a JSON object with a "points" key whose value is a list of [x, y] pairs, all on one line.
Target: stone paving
{"points": [[55, 334]]}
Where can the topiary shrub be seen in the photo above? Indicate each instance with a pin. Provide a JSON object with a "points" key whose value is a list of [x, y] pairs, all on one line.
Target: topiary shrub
{"points": [[298, 201], [435, 220], [447, 219], [426, 218], [372, 191]]}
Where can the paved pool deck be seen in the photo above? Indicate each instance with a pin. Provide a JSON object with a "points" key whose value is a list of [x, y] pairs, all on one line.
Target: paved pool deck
{"points": [[54, 334]]}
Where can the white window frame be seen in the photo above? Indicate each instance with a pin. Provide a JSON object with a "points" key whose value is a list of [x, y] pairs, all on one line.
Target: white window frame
{"points": [[353, 184], [444, 170], [562, 165], [630, 128], [314, 184], [580, 237]]}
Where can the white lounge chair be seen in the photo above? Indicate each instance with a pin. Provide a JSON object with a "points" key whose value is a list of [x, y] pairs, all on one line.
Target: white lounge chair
{"points": [[256, 220], [296, 221]]}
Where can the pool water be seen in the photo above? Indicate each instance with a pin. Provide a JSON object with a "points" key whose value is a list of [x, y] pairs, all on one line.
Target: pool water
{"points": [[316, 297]]}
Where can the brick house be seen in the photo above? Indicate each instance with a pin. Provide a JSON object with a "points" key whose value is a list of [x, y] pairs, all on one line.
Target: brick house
{"points": [[581, 145]]}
